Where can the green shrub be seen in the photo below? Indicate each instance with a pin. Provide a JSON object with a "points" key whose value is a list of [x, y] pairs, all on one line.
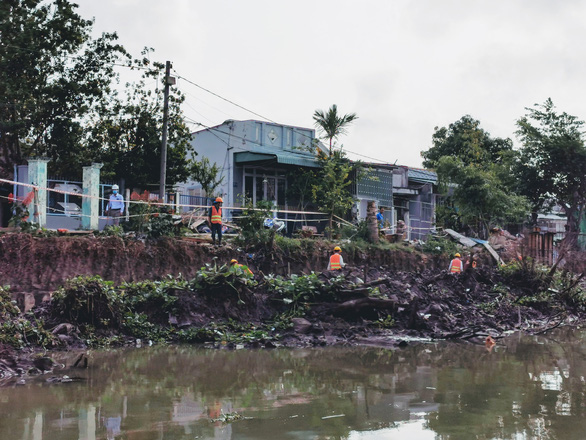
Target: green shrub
{"points": [[154, 296], [140, 326], [20, 332], [152, 219], [8, 308], [110, 231], [214, 276], [297, 290], [87, 300], [253, 232], [358, 232], [436, 245]]}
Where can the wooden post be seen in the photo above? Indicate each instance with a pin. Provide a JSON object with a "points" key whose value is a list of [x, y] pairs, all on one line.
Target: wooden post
{"points": [[371, 222]]}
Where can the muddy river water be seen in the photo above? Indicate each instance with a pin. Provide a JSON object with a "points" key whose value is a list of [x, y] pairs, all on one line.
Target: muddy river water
{"points": [[524, 388]]}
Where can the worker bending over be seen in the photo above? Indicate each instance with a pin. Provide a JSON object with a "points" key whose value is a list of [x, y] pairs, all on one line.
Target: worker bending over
{"points": [[246, 269], [336, 260]]}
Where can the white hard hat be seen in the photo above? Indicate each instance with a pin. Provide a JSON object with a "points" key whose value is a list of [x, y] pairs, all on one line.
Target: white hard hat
{"points": [[115, 187]]}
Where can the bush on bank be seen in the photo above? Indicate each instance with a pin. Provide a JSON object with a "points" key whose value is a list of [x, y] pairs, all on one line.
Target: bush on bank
{"points": [[105, 313], [20, 330]]}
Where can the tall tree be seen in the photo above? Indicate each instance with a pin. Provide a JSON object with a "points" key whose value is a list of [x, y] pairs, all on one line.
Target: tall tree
{"points": [[333, 124], [52, 74], [465, 140], [126, 133], [480, 197], [551, 167], [60, 98], [474, 171]]}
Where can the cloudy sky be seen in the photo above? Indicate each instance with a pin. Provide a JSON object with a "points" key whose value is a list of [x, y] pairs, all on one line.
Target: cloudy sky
{"points": [[403, 66]]}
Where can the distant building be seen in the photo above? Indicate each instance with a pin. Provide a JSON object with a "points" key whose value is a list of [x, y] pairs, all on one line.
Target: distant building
{"points": [[376, 185], [418, 207], [406, 193], [259, 161]]}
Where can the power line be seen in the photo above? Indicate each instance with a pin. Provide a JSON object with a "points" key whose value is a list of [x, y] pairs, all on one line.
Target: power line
{"points": [[192, 83], [264, 117], [225, 99]]}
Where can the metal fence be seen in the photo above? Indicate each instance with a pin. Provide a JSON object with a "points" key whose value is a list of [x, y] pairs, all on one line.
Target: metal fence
{"points": [[69, 205]]}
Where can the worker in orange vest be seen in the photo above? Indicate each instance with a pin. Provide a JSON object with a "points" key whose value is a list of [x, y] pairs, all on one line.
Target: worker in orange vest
{"points": [[234, 263], [456, 264], [215, 220], [336, 260]]}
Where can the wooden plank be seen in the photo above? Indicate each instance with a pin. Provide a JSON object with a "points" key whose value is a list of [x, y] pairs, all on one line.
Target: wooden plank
{"points": [[492, 252]]}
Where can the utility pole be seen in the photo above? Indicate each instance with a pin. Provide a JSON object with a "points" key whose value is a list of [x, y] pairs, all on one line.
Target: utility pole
{"points": [[169, 81]]}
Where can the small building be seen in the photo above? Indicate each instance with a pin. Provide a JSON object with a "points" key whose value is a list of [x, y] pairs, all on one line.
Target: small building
{"points": [[376, 185], [414, 200], [257, 159], [406, 193]]}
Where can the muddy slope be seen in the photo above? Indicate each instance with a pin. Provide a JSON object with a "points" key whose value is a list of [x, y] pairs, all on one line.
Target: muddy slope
{"points": [[30, 264]]}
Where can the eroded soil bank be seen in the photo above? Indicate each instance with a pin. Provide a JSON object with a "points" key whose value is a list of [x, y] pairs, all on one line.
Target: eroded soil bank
{"points": [[384, 297], [31, 264]]}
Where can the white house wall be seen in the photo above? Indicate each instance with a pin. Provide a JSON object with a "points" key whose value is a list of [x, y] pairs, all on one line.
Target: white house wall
{"points": [[220, 143]]}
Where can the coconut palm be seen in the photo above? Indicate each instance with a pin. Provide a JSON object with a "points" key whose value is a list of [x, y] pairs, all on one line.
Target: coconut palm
{"points": [[333, 124]]}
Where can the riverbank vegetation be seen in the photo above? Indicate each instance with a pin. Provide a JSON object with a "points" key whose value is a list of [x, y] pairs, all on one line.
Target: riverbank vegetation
{"points": [[226, 306]]}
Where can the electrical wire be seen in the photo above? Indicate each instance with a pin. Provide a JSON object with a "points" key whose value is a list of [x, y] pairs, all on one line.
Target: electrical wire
{"points": [[131, 67], [221, 97], [265, 118]]}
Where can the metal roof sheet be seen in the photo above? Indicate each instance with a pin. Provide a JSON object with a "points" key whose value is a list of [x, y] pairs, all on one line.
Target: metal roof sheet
{"points": [[422, 175], [283, 157]]}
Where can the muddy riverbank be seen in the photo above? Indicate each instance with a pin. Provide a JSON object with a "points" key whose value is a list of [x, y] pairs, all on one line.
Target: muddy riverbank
{"points": [[384, 297], [42, 264]]}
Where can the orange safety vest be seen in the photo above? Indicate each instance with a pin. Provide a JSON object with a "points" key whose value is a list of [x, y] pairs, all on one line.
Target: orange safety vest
{"points": [[335, 262], [246, 269], [216, 215], [456, 265]]}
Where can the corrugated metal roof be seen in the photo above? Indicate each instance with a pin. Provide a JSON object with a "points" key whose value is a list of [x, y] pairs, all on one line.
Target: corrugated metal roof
{"points": [[283, 157], [421, 175]]}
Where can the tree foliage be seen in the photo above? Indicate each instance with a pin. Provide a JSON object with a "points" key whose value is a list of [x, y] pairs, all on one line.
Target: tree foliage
{"points": [[300, 185], [551, 167], [333, 124], [481, 198], [474, 171], [126, 134], [207, 175], [61, 98], [465, 140], [52, 75], [331, 191]]}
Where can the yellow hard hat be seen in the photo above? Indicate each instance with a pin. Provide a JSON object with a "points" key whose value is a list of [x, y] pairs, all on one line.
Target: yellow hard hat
{"points": [[233, 261], [219, 199], [337, 249], [457, 255]]}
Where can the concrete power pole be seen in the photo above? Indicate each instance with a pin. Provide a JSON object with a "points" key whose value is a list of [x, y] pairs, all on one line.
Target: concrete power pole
{"points": [[169, 81]]}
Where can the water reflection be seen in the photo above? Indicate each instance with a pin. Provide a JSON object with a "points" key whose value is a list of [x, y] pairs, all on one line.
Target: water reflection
{"points": [[530, 388]]}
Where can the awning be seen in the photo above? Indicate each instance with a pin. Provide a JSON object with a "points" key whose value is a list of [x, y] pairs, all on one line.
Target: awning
{"points": [[422, 176], [281, 157], [405, 191]]}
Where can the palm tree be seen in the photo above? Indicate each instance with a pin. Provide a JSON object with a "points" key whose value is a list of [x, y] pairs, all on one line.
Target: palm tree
{"points": [[332, 124]]}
